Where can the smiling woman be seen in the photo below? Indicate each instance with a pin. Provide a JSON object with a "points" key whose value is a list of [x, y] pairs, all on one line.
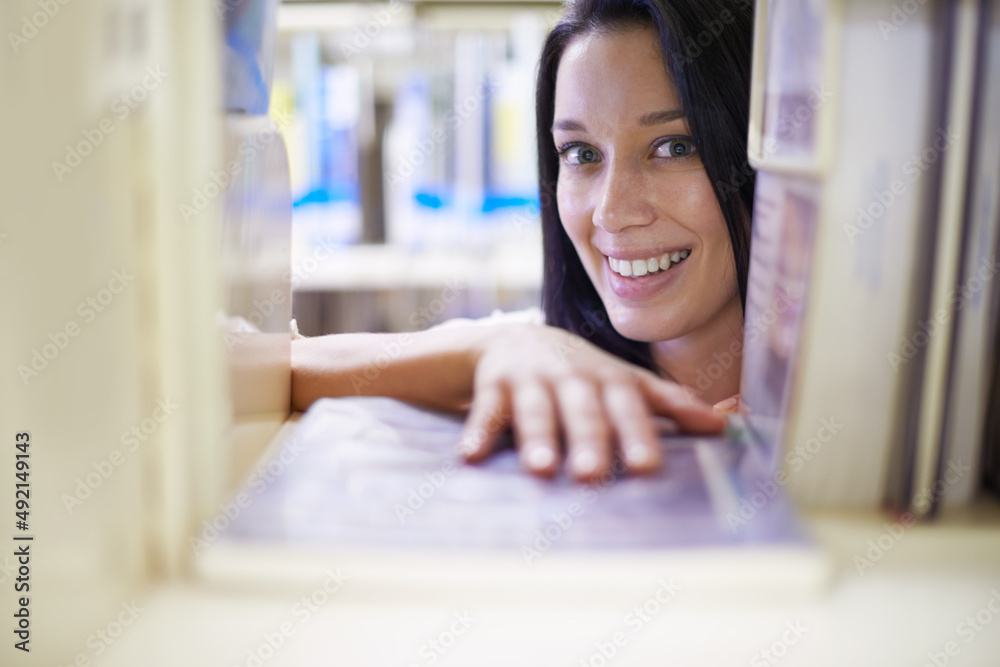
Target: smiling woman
{"points": [[641, 121], [667, 87]]}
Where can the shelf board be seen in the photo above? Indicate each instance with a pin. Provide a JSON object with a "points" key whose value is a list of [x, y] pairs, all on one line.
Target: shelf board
{"points": [[305, 15], [385, 267]]}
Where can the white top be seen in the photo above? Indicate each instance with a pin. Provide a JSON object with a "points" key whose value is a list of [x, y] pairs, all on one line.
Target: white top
{"points": [[533, 315]]}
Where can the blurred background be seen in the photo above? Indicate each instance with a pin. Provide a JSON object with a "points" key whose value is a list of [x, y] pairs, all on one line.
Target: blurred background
{"points": [[410, 135]]}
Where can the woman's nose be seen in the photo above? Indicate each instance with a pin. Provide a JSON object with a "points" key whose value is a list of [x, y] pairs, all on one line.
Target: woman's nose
{"points": [[622, 199]]}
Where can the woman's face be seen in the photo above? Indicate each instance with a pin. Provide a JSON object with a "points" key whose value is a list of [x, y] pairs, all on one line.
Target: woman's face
{"points": [[633, 195]]}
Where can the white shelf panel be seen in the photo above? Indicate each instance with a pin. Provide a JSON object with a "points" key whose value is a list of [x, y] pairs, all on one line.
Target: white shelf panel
{"points": [[386, 267]]}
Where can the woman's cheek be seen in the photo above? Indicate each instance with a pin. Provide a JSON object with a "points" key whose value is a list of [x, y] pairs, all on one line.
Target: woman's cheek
{"points": [[572, 215], [577, 222]]}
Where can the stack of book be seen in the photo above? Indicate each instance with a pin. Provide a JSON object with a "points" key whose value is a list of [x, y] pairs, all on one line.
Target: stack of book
{"points": [[873, 298]]}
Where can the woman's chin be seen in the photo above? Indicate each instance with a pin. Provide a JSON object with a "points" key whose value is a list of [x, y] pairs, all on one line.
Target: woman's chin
{"points": [[641, 328]]}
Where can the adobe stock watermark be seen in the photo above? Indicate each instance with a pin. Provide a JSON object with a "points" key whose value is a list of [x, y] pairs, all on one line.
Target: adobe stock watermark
{"points": [[265, 307], [418, 495], [424, 315], [271, 642], [223, 7], [528, 217], [635, 619], [31, 25], [263, 475], [434, 648], [262, 309], [58, 341], [913, 170], [560, 523], [778, 649], [105, 637], [894, 532], [580, 337], [471, 441], [302, 269], [908, 346], [967, 629], [393, 345], [8, 568], [121, 108], [218, 181], [752, 331], [365, 34], [898, 17], [106, 467], [788, 124], [795, 460], [425, 148]]}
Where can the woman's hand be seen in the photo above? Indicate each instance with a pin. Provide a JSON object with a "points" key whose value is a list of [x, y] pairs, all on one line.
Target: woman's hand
{"points": [[547, 382]]}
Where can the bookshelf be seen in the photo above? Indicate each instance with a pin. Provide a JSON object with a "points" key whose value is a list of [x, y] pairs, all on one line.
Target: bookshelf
{"points": [[426, 187]]}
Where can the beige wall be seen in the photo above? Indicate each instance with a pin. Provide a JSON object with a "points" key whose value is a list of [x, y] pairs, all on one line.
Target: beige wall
{"points": [[155, 342]]}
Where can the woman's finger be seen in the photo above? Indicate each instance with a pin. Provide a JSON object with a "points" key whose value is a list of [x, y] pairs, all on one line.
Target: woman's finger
{"points": [[489, 416], [585, 425], [535, 427], [682, 405], [637, 439]]}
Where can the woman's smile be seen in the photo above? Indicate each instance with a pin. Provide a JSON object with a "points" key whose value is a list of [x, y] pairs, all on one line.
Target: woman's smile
{"points": [[639, 279]]}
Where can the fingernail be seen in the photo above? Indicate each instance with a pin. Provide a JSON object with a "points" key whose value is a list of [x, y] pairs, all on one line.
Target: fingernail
{"points": [[540, 457], [469, 445], [585, 462], [637, 455], [728, 405]]}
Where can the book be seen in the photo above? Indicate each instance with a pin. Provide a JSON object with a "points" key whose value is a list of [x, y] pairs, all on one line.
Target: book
{"points": [[365, 480]]}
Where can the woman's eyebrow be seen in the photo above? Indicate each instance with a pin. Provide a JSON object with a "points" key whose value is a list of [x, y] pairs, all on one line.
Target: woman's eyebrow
{"points": [[646, 120], [658, 117], [568, 126]]}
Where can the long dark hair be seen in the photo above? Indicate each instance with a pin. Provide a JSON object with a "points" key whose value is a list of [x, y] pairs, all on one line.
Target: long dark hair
{"points": [[706, 47]]}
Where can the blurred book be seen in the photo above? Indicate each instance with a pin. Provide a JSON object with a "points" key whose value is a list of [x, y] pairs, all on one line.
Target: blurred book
{"points": [[330, 103], [874, 249], [249, 53], [974, 363], [379, 471], [377, 479]]}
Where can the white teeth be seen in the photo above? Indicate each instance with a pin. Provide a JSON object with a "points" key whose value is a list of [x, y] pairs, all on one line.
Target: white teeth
{"points": [[641, 267]]}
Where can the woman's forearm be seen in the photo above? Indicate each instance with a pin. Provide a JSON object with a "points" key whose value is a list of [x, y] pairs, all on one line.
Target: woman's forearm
{"points": [[433, 368]]}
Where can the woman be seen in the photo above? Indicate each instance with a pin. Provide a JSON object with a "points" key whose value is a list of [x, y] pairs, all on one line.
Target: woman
{"points": [[641, 122]]}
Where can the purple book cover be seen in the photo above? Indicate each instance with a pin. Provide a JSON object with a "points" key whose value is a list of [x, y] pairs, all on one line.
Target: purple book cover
{"points": [[375, 471]]}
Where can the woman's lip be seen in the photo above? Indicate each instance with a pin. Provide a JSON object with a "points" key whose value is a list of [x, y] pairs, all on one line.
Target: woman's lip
{"points": [[644, 287]]}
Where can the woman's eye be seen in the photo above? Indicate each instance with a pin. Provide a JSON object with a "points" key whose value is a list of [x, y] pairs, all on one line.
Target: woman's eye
{"points": [[675, 148], [581, 154]]}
